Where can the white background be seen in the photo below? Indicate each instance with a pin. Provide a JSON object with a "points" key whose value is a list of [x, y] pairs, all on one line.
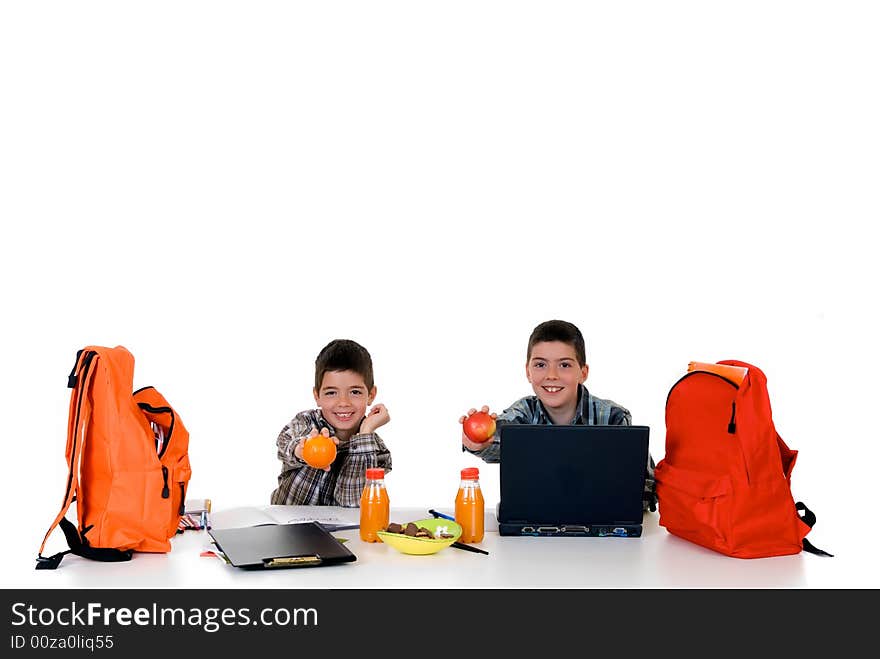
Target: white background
{"points": [[224, 187]]}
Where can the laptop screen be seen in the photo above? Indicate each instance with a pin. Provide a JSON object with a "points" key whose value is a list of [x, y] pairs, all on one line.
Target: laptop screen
{"points": [[572, 474]]}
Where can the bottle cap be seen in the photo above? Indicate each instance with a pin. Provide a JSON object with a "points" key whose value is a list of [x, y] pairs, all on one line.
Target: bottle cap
{"points": [[376, 473], [470, 473]]}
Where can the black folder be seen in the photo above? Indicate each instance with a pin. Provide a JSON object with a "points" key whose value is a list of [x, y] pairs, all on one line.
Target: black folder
{"points": [[280, 546]]}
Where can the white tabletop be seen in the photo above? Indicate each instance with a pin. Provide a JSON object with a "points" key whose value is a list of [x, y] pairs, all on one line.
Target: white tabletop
{"points": [[656, 560]]}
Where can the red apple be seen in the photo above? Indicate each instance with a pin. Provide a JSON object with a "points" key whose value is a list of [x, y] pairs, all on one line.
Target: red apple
{"points": [[479, 427]]}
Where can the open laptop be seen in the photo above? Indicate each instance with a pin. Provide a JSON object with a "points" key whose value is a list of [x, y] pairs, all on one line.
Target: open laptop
{"points": [[572, 480]]}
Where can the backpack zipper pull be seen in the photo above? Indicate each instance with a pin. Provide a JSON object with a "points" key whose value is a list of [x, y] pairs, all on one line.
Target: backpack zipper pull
{"points": [[731, 427], [165, 491]]}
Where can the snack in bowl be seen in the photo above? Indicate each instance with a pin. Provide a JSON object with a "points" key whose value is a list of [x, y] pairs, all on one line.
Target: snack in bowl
{"points": [[421, 537]]}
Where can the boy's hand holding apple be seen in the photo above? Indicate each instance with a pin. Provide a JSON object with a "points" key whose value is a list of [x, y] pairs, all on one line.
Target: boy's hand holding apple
{"points": [[478, 428]]}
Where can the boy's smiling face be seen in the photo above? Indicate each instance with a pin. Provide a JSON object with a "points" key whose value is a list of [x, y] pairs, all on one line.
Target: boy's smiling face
{"points": [[554, 372], [343, 399]]}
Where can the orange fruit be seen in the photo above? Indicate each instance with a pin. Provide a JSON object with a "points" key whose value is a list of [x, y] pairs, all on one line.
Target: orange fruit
{"points": [[319, 451]]}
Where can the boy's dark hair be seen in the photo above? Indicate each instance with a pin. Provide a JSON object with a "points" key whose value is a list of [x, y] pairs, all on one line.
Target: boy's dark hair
{"points": [[344, 355], [559, 330]]}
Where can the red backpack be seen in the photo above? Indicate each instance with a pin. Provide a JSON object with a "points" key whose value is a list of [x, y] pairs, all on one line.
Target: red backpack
{"points": [[725, 480]]}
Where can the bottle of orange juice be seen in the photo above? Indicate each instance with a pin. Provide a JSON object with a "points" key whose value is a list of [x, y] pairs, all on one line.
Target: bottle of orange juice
{"points": [[374, 505], [469, 506]]}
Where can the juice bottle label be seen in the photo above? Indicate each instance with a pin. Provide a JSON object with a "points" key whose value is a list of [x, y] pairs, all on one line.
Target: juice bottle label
{"points": [[375, 513], [469, 514]]}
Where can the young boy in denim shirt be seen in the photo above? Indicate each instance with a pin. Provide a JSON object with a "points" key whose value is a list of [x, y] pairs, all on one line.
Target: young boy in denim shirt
{"points": [[556, 367], [343, 390]]}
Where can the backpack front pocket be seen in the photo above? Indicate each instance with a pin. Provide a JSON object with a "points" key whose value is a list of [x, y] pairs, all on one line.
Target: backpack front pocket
{"points": [[694, 505]]}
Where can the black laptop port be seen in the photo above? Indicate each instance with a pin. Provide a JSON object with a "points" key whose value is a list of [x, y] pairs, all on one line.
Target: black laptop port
{"points": [[619, 531], [528, 529], [575, 529], [548, 529]]}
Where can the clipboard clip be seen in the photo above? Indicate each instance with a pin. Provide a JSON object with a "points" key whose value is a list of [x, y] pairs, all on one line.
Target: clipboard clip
{"points": [[292, 561]]}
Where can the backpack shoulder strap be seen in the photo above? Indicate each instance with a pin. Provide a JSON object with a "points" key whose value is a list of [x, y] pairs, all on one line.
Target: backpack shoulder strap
{"points": [[808, 517], [79, 381]]}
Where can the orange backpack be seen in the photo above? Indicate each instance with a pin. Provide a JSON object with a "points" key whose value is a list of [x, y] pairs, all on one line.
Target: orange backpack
{"points": [[128, 463], [725, 481]]}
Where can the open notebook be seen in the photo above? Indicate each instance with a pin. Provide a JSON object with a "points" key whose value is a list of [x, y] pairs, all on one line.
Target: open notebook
{"points": [[332, 518]]}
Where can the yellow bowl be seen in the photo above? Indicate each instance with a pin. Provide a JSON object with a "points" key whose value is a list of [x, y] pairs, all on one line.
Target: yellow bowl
{"points": [[407, 544]]}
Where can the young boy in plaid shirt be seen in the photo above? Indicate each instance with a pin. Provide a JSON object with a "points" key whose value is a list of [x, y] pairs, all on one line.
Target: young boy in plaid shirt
{"points": [[343, 391]]}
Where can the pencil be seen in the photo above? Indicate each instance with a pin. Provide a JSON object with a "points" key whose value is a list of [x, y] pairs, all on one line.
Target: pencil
{"points": [[461, 545]]}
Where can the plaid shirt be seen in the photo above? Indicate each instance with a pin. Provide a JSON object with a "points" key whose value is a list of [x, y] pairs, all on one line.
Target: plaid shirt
{"points": [[300, 484], [590, 411]]}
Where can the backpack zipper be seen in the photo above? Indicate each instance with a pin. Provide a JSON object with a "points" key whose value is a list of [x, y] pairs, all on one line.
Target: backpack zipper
{"points": [[731, 425], [166, 491], [687, 375], [182, 509], [160, 410]]}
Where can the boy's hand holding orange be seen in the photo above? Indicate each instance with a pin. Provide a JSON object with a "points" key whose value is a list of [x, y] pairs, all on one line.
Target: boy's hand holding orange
{"points": [[318, 450], [477, 428]]}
